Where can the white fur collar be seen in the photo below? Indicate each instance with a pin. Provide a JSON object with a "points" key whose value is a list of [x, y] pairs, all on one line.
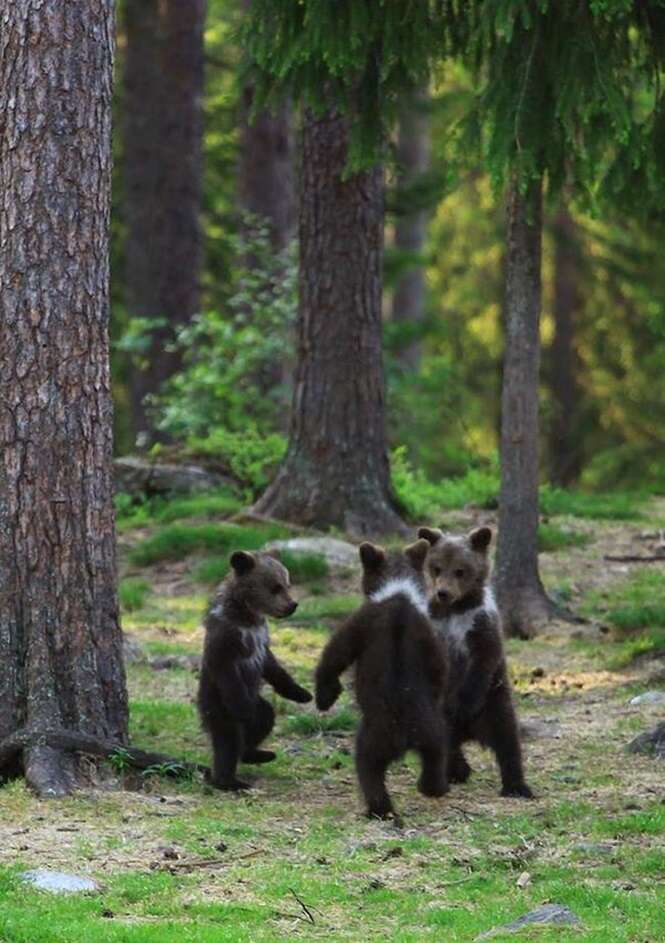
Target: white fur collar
{"points": [[456, 626], [405, 587]]}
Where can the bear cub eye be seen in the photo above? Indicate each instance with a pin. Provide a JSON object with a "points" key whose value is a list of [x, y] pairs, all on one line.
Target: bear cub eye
{"points": [[459, 574], [275, 588], [436, 570]]}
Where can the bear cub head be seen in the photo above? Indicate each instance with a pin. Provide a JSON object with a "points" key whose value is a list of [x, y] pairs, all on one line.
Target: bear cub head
{"points": [[262, 584], [382, 567], [457, 567]]}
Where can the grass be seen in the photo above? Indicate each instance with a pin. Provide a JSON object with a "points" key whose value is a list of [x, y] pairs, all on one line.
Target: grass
{"points": [[160, 510], [635, 608], [552, 538], [133, 593], [177, 541]]}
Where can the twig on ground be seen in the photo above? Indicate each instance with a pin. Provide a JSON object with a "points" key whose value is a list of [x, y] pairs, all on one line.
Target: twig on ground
{"points": [[304, 906], [628, 558]]}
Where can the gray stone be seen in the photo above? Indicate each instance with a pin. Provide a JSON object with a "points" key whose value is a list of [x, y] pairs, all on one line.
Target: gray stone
{"points": [[132, 650], [649, 697], [594, 848], [549, 915], [537, 728], [650, 743], [138, 476], [58, 882], [165, 662], [338, 553]]}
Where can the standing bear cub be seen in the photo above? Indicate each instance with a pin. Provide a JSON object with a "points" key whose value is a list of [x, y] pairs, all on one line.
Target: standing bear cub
{"points": [[400, 675], [464, 614], [237, 659]]}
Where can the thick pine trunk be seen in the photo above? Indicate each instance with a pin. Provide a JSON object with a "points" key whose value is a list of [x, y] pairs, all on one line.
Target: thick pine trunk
{"points": [[336, 472], [163, 130], [413, 158], [564, 446], [520, 593], [60, 640]]}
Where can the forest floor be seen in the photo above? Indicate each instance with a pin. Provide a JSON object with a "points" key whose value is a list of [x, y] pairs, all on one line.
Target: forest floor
{"points": [[293, 859]]}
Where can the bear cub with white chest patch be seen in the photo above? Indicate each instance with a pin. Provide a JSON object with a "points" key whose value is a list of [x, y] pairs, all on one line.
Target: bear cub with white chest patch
{"points": [[464, 614], [400, 675], [237, 659]]}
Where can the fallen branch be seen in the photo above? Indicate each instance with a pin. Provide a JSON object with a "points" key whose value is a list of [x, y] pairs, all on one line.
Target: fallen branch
{"points": [[74, 742], [629, 558], [304, 906]]}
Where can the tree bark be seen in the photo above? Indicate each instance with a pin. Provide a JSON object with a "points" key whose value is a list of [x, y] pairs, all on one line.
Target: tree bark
{"points": [[564, 446], [336, 472], [60, 639], [520, 593], [413, 159], [163, 130]]}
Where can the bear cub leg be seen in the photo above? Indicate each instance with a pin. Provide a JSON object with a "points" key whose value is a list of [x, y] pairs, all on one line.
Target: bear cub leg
{"points": [[458, 767], [227, 741], [433, 779], [371, 766], [257, 731]]}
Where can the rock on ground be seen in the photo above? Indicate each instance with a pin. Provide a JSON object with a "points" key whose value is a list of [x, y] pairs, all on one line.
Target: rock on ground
{"points": [[58, 882], [649, 697], [650, 743], [137, 476], [537, 728], [338, 553], [546, 916]]}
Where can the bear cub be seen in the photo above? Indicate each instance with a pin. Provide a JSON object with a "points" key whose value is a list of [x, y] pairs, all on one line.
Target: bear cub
{"points": [[464, 614], [400, 675], [237, 659]]}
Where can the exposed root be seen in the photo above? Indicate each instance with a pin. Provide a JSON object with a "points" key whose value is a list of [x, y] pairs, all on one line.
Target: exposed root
{"points": [[49, 773]]}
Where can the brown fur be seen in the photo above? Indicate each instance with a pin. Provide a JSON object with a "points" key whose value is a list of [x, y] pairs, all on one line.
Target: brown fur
{"points": [[400, 676], [237, 659], [479, 704]]}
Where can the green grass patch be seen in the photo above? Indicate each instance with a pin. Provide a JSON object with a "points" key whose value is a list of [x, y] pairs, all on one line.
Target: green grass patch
{"points": [[323, 609], [133, 593], [619, 506], [161, 510], [177, 541], [552, 538], [635, 608]]}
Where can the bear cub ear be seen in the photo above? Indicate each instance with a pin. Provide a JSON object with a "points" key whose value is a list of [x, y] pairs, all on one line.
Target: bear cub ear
{"points": [[371, 557], [416, 553], [242, 562], [480, 539], [274, 553], [431, 534]]}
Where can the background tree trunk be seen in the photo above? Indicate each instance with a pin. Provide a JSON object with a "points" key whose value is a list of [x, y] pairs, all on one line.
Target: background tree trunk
{"points": [[60, 640], [336, 472], [564, 445], [413, 159], [162, 143], [265, 166], [520, 593]]}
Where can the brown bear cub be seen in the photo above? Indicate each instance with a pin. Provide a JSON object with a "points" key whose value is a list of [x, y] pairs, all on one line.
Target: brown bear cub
{"points": [[400, 675], [464, 614], [237, 659]]}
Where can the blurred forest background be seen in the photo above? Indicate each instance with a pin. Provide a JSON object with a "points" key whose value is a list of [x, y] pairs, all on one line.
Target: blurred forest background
{"points": [[205, 281]]}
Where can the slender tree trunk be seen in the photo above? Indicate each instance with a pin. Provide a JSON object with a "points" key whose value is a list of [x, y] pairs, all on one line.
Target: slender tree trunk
{"points": [[162, 144], [60, 640], [336, 472], [413, 159], [265, 166], [564, 446], [520, 593]]}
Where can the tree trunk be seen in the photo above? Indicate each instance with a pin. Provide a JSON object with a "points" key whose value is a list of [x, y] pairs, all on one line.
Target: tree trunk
{"points": [[265, 166], [60, 640], [564, 447], [520, 593], [336, 472], [162, 150], [413, 158]]}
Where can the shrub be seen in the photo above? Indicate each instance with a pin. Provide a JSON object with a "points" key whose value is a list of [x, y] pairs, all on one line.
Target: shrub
{"points": [[133, 593]]}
